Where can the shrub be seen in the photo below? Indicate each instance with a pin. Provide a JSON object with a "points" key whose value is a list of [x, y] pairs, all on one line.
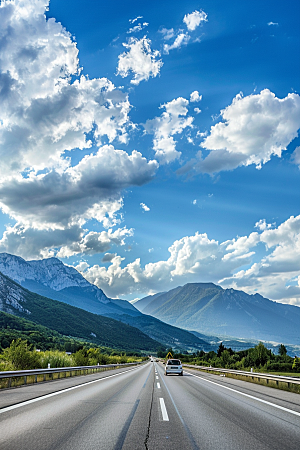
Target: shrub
{"points": [[19, 356], [56, 359]]}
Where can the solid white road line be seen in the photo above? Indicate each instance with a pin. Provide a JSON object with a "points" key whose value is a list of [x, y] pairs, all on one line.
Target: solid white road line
{"points": [[163, 409], [158, 385], [28, 402], [249, 396]]}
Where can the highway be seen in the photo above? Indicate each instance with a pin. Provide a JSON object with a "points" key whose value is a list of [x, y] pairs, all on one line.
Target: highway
{"points": [[140, 408]]}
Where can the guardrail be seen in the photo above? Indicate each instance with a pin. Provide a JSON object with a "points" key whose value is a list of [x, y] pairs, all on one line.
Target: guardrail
{"points": [[15, 378], [278, 381]]}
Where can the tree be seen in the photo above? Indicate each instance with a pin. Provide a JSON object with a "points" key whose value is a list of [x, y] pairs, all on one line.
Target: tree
{"points": [[260, 354], [220, 349], [20, 356], [296, 364], [282, 351], [225, 358]]}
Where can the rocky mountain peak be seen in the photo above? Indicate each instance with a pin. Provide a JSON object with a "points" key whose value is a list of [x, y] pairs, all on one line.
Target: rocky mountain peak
{"points": [[50, 272]]}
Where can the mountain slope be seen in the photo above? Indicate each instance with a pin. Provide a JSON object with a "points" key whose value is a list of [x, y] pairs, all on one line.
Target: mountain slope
{"points": [[69, 320], [51, 278], [169, 335], [14, 327], [209, 309]]}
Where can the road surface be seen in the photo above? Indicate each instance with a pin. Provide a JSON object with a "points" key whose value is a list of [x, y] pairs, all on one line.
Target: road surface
{"points": [[140, 408]]}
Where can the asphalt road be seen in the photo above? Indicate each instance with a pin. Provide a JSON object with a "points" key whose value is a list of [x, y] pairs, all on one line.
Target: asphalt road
{"points": [[140, 408]]}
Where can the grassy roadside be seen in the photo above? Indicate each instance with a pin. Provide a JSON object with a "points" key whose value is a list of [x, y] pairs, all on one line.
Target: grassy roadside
{"points": [[256, 379]]}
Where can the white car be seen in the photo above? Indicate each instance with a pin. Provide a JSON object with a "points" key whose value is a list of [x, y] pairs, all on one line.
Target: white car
{"points": [[173, 366]]}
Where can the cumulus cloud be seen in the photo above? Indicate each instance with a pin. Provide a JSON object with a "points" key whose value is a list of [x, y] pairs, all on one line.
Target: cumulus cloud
{"points": [[195, 97], [43, 112], [254, 128], [172, 121], [194, 19], [277, 274], [191, 258], [181, 39], [144, 207], [140, 59], [263, 225], [48, 108], [108, 257], [91, 189], [93, 242], [34, 243], [197, 258]]}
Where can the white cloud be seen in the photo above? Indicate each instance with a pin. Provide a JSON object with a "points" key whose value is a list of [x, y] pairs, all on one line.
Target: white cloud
{"points": [[91, 189], [168, 33], [272, 23], [136, 19], [144, 207], [43, 112], [195, 97], [263, 225], [48, 109], [274, 276], [181, 39], [137, 28], [93, 243], [197, 258], [296, 156], [254, 128], [140, 60], [195, 202], [172, 121], [194, 19], [32, 243]]}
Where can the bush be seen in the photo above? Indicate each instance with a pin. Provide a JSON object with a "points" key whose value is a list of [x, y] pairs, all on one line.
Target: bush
{"points": [[296, 364], [56, 359], [19, 356]]}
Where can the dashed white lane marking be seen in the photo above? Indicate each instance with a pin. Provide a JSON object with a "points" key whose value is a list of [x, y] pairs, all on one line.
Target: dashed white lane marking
{"points": [[158, 385], [163, 410], [249, 396], [53, 394], [157, 378]]}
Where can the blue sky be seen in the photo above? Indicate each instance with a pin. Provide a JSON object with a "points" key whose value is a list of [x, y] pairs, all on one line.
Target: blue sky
{"points": [[151, 144]]}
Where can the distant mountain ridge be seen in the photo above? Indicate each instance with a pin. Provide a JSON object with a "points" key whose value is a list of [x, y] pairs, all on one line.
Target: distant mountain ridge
{"points": [[69, 320], [52, 279], [210, 309]]}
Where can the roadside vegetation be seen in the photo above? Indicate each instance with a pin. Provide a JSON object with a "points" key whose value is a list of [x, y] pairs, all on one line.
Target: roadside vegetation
{"points": [[21, 355], [259, 358]]}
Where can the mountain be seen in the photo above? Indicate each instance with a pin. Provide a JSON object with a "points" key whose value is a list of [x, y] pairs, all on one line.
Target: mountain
{"points": [[210, 309], [52, 279], [14, 327], [71, 321], [170, 336]]}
